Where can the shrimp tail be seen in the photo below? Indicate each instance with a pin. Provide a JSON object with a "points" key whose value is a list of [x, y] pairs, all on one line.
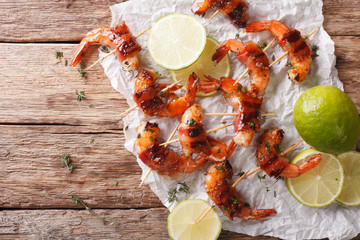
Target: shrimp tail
{"points": [[209, 86], [201, 6], [232, 45], [292, 170], [90, 38]]}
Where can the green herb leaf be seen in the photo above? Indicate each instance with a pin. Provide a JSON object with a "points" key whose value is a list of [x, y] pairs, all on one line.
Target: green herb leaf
{"points": [[158, 74], [172, 195], [262, 45], [267, 145], [104, 49], [314, 49], [237, 36], [191, 122], [184, 188], [126, 128], [80, 95], [234, 200], [81, 202], [247, 205], [67, 162], [238, 88], [92, 140]]}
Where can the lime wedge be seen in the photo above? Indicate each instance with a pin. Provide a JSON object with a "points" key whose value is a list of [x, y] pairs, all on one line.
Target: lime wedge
{"points": [[204, 66], [182, 221], [176, 41], [321, 185], [350, 195]]}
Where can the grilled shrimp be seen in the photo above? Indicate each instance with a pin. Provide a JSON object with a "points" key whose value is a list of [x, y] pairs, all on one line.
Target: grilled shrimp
{"points": [[247, 122], [119, 38], [225, 196], [193, 137], [234, 10], [289, 40], [153, 102], [252, 57], [275, 165], [159, 158]]}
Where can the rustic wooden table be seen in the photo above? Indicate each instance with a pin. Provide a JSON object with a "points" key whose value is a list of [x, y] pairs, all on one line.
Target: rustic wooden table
{"points": [[40, 119]]}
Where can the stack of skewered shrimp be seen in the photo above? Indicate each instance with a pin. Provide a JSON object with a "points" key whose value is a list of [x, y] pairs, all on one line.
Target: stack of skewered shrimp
{"points": [[158, 99]]}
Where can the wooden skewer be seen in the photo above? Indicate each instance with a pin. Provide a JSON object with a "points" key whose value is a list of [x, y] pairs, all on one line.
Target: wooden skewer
{"points": [[170, 86], [129, 110], [208, 131], [145, 177], [247, 70], [217, 11], [171, 136], [246, 175], [113, 51], [235, 114]]}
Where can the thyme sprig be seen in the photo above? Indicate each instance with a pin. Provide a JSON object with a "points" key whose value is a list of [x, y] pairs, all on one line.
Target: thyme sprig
{"points": [[80, 95], [181, 187], [65, 159], [81, 202]]}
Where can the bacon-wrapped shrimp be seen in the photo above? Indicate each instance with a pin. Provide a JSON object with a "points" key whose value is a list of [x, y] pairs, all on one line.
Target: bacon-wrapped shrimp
{"points": [[153, 102], [193, 139], [247, 122], [252, 57], [119, 38], [225, 196], [274, 164], [159, 158], [290, 40], [235, 10]]}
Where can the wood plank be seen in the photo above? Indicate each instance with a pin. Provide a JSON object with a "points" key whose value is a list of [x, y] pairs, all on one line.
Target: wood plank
{"points": [[68, 20], [74, 224], [29, 71], [32, 175]]}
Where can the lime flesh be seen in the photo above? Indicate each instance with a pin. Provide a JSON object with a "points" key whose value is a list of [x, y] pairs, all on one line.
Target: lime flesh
{"points": [[176, 41], [321, 185]]}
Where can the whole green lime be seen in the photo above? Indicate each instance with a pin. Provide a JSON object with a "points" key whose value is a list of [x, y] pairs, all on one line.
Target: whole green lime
{"points": [[327, 119]]}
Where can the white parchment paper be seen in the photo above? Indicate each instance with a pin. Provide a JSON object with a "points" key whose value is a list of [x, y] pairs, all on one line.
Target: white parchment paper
{"points": [[293, 220]]}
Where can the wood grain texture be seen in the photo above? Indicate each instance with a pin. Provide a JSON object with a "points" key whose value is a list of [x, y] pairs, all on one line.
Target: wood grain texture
{"points": [[69, 20], [79, 224]]}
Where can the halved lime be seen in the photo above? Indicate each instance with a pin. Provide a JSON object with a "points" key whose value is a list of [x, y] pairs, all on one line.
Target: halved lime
{"points": [[182, 221], [176, 41], [350, 195], [321, 185], [204, 66]]}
